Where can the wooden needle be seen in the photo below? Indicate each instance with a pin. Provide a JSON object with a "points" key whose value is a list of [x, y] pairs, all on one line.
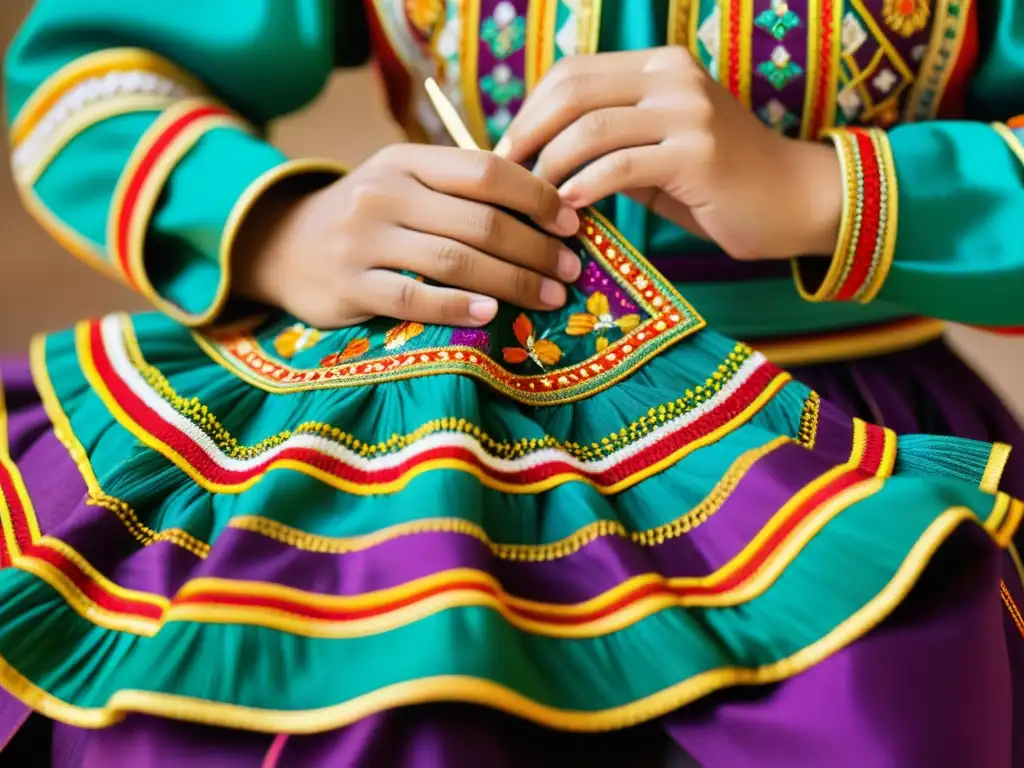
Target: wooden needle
{"points": [[450, 116]]}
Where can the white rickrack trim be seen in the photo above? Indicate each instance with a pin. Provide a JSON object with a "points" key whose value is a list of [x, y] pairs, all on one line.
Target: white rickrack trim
{"points": [[87, 94], [113, 330]]}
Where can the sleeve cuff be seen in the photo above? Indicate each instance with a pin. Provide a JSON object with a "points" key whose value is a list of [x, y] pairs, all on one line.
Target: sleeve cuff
{"points": [[182, 199], [867, 234]]}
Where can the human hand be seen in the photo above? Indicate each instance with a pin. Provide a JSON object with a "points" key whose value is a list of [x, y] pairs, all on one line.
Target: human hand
{"points": [[331, 257], [653, 125]]}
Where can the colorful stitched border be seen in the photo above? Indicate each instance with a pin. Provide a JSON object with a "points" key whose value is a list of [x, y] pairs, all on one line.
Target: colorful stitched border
{"points": [[734, 59], [142, 407], [671, 319], [949, 30], [120, 63], [1011, 608], [867, 234], [824, 29], [683, 18]]}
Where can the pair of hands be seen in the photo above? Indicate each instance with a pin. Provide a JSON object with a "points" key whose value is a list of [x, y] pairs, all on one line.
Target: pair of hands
{"points": [[651, 124]]}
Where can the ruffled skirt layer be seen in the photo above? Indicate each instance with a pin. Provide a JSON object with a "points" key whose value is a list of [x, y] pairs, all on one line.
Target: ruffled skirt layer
{"points": [[771, 595]]}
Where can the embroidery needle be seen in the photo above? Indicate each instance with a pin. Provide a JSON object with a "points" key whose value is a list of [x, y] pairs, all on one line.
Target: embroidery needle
{"points": [[449, 116]]}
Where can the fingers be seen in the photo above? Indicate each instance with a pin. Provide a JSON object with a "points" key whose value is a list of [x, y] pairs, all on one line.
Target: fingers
{"points": [[393, 295], [454, 263], [619, 171], [544, 116], [486, 178], [492, 231], [597, 134]]}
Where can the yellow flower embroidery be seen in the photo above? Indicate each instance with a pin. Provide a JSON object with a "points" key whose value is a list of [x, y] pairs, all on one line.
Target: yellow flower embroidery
{"points": [[425, 15], [294, 339], [399, 335], [598, 319], [906, 17]]}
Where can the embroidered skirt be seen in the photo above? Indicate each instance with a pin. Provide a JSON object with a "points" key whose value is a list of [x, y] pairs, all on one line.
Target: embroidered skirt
{"points": [[608, 532]]}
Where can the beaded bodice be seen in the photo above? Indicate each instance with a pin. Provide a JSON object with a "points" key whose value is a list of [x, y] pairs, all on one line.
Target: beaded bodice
{"points": [[801, 65]]}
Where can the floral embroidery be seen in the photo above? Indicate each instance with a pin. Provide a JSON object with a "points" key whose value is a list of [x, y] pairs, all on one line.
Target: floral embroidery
{"points": [[294, 339], [502, 86], [775, 115], [778, 20], [477, 338], [906, 17], [399, 335], [425, 16], [543, 352], [505, 31], [355, 348], [780, 69], [597, 319]]}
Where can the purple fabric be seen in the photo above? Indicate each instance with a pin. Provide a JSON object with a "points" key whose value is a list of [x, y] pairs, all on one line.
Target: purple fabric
{"points": [[715, 268], [930, 688]]}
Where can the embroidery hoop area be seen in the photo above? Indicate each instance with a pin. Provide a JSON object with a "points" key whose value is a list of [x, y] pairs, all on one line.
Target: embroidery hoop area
{"points": [[666, 318]]}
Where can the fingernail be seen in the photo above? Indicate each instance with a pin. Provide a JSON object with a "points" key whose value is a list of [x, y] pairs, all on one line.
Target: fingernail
{"points": [[483, 308], [552, 293], [502, 147], [568, 220], [567, 192], [569, 266]]}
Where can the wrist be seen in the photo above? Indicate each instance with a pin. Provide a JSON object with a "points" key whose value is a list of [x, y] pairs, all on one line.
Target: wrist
{"points": [[266, 234], [818, 181]]}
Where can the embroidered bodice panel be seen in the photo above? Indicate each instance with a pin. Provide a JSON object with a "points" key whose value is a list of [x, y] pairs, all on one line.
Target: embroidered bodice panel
{"points": [[801, 65]]}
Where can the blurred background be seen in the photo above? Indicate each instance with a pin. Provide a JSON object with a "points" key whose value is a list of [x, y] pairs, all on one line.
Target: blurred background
{"points": [[43, 288]]}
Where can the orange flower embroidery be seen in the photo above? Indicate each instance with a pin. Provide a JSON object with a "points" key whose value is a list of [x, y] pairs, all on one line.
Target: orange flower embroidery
{"points": [[906, 17], [401, 334], [354, 348], [598, 319], [294, 339], [542, 351]]}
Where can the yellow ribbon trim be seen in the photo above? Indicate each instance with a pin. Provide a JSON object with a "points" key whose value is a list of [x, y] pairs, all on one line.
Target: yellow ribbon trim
{"points": [[91, 65], [481, 692]]}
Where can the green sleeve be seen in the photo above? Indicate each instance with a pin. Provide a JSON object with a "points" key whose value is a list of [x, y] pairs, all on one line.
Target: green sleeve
{"points": [[136, 128], [956, 250]]}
